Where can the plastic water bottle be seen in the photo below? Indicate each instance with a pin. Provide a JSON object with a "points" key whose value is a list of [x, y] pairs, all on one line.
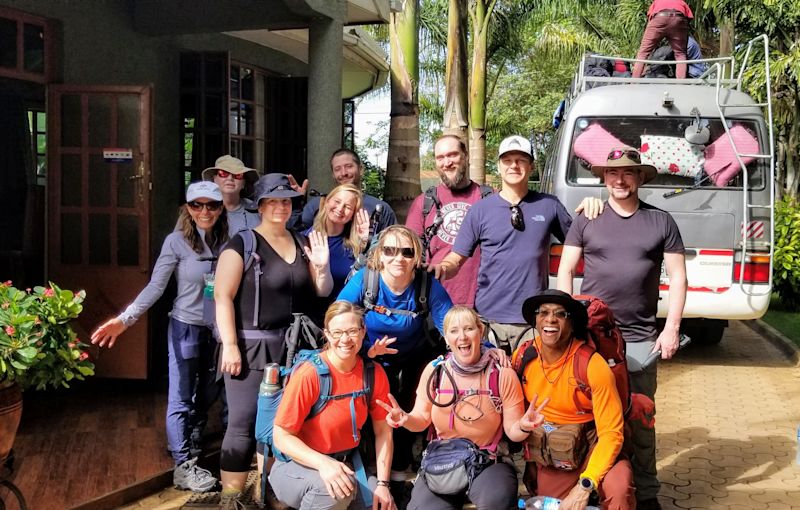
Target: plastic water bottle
{"points": [[271, 383], [208, 289], [544, 503]]}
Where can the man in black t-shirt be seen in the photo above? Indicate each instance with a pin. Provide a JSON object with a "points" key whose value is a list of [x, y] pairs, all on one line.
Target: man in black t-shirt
{"points": [[623, 250]]}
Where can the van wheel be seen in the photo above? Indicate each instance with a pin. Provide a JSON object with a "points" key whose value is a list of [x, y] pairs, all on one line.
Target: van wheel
{"points": [[706, 332]]}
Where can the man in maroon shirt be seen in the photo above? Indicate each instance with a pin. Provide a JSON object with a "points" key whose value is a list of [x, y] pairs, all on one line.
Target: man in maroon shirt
{"points": [[666, 19], [449, 202]]}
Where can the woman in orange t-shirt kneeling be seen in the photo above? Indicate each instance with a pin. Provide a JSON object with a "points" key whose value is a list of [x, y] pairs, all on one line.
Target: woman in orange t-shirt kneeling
{"points": [[319, 473]]}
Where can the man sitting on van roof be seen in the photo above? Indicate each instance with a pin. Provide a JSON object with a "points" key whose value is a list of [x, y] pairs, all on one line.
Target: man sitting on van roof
{"points": [[513, 229], [622, 250]]}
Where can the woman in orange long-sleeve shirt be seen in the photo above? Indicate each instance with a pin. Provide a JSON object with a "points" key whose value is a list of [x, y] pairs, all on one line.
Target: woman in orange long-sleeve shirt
{"points": [[561, 322]]}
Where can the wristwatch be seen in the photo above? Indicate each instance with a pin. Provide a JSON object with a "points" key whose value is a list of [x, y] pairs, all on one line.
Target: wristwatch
{"points": [[587, 484]]}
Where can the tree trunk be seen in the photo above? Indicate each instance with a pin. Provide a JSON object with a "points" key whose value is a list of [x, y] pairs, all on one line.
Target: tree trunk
{"points": [[456, 104], [477, 91], [402, 165], [726, 40]]}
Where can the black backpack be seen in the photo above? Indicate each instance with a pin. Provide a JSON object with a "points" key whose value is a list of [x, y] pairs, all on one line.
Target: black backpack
{"points": [[432, 199]]}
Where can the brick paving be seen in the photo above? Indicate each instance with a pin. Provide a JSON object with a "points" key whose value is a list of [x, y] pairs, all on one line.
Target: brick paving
{"points": [[727, 418]]}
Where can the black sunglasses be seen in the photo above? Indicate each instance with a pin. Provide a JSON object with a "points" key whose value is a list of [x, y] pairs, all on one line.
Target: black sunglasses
{"points": [[198, 206], [517, 219], [632, 154], [393, 251]]}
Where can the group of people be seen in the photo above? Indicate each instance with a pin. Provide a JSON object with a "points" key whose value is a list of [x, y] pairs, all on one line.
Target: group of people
{"points": [[470, 266]]}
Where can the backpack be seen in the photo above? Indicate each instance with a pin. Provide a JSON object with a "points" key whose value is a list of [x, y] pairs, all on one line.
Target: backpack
{"points": [[250, 257], [604, 338], [370, 286], [268, 407], [432, 199], [493, 391]]}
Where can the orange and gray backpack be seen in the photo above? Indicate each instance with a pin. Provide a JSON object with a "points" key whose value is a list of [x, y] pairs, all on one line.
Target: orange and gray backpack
{"points": [[604, 338]]}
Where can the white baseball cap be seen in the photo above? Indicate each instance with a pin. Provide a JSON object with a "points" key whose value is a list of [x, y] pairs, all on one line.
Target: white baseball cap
{"points": [[203, 189], [515, 143]]}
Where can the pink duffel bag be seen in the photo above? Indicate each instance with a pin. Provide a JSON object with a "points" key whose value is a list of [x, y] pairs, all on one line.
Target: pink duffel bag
{"points": [[594, 144], [721, 165]]}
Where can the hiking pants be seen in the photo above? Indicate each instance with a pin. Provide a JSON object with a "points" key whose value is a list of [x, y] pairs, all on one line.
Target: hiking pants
{"points": [[190, 351], [509, 336], [616, 489], [494, 489], [676, 30], [302, 488], [643, 439]]}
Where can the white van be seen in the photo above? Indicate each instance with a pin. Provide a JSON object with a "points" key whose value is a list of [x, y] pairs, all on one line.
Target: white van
{"points": [[713, 148]]}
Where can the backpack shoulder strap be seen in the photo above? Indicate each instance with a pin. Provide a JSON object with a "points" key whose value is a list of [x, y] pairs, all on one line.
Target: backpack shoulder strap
{"points": [[370, 286], [251, 257], [299, 241], [324, 376], [580, 371], [431, 199], [422, 291], [486, 190], [369, 379], [526, 352]]}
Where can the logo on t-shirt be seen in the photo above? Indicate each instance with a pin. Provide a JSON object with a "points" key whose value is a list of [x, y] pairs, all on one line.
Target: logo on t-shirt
{"points": [[453, 214]]}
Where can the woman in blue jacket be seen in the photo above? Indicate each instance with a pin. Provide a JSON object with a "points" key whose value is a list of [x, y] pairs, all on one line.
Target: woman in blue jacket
{"points": [[393, 319]]}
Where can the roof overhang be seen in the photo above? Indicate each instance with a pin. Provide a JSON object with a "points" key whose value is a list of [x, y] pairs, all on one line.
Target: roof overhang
{"points": [[364, 65]]}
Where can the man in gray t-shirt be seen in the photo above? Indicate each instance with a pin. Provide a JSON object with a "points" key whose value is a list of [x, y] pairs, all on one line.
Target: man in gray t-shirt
{"points": [[623, 250]]}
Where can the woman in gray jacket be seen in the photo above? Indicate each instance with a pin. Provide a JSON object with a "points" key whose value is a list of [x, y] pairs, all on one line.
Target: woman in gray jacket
{"points": [[186, 252]]}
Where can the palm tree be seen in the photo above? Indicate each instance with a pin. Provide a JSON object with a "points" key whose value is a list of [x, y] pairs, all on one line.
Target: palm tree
{"points": [[402, 165]]}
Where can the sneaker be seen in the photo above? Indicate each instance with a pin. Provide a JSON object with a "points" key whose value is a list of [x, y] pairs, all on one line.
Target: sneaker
{"points": [[231, 501], [189, 476]]}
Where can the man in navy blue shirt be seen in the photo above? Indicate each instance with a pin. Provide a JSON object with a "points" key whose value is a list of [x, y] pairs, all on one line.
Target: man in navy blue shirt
{"points": [[513, 230]]}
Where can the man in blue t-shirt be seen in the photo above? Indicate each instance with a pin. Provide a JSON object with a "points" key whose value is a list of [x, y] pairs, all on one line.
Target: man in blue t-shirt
{"points": [[513, 229]]}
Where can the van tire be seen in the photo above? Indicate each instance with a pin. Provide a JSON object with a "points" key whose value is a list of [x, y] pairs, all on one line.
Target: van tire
{"points": [[705, 331]]}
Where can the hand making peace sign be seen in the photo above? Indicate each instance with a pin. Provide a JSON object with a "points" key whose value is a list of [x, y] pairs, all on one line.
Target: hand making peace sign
{"points": [[396, 417], [533, 417]]}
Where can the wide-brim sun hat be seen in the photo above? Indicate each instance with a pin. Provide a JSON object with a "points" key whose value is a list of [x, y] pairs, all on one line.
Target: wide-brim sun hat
{"points": [[231, 165], [272, 186], [576, 309], [625, 158], [203, 189]]}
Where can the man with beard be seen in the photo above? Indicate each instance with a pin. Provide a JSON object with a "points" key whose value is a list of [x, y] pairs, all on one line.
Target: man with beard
{"points": [[436, 215], [347, 168], [623, 249]]}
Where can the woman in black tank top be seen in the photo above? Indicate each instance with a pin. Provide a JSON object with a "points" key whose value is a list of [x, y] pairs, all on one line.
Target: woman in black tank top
{"points": [[256, 294]]}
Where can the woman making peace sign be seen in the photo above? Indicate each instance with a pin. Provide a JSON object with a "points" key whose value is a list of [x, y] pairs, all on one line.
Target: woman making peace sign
{"points": [[460, 402]]}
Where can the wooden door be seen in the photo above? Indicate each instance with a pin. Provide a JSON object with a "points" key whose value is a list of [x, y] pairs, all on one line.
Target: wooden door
{"points": [[98, 210]]}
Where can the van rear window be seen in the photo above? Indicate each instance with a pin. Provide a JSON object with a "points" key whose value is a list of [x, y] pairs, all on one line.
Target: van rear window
{"points": [[683, 153]]}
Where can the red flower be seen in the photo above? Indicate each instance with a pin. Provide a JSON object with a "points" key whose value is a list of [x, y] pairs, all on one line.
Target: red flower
{"points": [[6, 283], [71, 345], [10, 330], [49, 292], [674, 168], [83, 356], [645, 148]]}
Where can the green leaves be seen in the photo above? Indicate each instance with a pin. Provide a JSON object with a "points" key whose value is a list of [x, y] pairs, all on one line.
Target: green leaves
{"points": [[786, 257], [38, 347]]}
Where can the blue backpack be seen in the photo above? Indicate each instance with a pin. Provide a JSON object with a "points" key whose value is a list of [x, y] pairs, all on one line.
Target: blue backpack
{"points": [[268, 407]]}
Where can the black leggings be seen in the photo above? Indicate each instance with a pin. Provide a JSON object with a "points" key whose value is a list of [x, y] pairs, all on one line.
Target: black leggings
{"points": [[241, 391]]}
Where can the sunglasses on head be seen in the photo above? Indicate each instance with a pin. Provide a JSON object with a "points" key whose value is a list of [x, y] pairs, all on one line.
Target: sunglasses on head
{"points": [[632, 154], [198, 206], [517, 219], [224, 175], [393, 251]]}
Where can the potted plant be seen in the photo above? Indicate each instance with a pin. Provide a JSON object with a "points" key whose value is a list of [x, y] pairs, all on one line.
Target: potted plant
{"points": [[38, 348]]}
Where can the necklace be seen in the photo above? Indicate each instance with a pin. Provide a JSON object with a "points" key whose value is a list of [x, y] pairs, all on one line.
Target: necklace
{"points": [[563, 365]]}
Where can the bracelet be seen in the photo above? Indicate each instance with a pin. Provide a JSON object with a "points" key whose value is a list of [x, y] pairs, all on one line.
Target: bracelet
{"points": [[523, 430], [383, 483]]}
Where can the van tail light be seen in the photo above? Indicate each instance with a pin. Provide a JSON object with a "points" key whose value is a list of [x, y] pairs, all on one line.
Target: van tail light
{"points": [[756, 269], [555, 261]]}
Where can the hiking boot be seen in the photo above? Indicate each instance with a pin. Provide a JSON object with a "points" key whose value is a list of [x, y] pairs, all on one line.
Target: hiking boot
{"points": [[231, 501], [189, 476]]}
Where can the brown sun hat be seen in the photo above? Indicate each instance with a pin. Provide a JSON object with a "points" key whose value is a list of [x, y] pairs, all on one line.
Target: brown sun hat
{"points": [[231, 165], [626, 157]]}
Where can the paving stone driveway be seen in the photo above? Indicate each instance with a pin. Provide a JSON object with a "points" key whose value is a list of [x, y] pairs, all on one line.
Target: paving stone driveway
{"points": [[727, 419]]}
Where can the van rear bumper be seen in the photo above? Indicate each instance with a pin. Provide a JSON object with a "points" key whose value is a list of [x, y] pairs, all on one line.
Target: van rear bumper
{"points": [[733, 303]]}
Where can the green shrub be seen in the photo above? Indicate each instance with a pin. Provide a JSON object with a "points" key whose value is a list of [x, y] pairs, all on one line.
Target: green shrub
{"points": [[786, 262], [373, 179]]}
